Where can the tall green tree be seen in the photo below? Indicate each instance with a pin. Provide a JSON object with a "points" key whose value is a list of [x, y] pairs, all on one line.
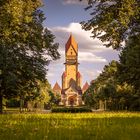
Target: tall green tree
{"points": [[26, 48], [115, 87], [104, 87], [89, 96], [116, 22], [97, 87], [112, 21], [42, 99], [129, 68]]}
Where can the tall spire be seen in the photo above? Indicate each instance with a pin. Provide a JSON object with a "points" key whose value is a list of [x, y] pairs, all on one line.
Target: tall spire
{"points": [[71, 41]]}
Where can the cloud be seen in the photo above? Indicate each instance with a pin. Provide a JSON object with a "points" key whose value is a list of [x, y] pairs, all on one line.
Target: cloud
{"points": [[89, 74], [83, 38], [93, 73], [90, 57], [88, 47], [51, 74], [92, 54], [84, 2]]}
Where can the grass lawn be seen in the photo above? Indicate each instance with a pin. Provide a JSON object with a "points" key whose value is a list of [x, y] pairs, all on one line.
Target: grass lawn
{"points": [[82, 126]]}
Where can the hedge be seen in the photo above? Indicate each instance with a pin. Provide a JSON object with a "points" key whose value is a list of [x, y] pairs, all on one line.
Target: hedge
{"points": [[71, 109]]}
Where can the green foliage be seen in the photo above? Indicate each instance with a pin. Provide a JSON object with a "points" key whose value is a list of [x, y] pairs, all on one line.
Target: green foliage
{"points": [[43, 97], [113, 20], [129, 68], [44, 92], [70, 109], [108, 88], [55, 98], [108, 74], [26, 48], [115, 23], [89, 95], [12, 103]]}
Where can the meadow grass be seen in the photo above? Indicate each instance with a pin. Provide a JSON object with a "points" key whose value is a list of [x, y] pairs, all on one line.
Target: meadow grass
{"points": [[67, 126]]}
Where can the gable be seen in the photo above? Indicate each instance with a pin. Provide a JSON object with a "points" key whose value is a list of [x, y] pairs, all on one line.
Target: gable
{"points": [[71, 42], [71, 51], [71, 90], [56, 87]]}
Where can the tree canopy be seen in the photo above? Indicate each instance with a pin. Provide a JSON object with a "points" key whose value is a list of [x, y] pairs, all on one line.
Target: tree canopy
{"points": [[117, 24], [26, 48], [113, 90], [129, 68], [113, 21]]}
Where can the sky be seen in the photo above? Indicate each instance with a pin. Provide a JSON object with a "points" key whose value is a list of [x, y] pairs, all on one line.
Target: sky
{"points": [[63, 17]]}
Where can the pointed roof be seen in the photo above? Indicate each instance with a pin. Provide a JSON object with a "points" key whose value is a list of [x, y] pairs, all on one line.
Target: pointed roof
{"points": [[71, 41], [86, 86], [56, 87], [64, 74], [78, 74], [76, 89]]}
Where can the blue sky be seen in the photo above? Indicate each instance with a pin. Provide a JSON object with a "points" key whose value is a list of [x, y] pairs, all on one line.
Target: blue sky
{"points": [[62, 18], [62, 12]]}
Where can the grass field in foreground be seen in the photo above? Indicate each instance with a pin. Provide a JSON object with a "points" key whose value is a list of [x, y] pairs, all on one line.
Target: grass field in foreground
{"points": [[84, 126]]}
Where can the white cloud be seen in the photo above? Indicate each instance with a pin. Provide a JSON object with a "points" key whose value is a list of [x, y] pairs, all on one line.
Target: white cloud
{"points": [[92, 73], [82, 37], [89, 74], [51, 74], [87, 45], [74, 2], [90, 57], [92, 54]]}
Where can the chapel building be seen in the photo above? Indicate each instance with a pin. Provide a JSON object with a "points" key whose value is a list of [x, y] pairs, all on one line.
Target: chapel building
{"points": [[71, 94], [71, 91]]}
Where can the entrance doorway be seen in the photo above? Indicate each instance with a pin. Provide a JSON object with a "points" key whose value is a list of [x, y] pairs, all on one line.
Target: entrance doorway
{"points": [[71, 101]]}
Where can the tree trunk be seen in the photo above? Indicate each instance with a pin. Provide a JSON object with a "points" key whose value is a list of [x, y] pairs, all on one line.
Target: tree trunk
{"points": [[1, 106], [21, 104], [105, 107]]}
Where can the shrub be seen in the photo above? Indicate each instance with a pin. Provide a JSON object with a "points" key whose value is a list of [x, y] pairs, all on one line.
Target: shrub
{"points": [[71, 109]]}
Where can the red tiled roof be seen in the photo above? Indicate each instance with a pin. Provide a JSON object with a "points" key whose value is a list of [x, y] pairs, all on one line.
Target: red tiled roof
{"points": [[71, 41], [64, 74], [86, 86], [56, 87], [78, 74]]}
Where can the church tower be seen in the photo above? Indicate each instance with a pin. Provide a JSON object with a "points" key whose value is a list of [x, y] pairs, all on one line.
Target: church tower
{"points": [[71, 77]]}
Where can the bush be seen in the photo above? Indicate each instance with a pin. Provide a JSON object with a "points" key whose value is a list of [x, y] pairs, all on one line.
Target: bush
{"points": [[13, 103], [70, 109]]}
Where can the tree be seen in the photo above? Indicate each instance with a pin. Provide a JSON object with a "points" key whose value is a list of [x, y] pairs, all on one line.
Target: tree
{"points": [[115, 87], [55, 98], [89, 95], [42, 99], [113, 20], [129, 67], [25, 48], [116, 22], [104, 87], [107, 81], [125, 94]]}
